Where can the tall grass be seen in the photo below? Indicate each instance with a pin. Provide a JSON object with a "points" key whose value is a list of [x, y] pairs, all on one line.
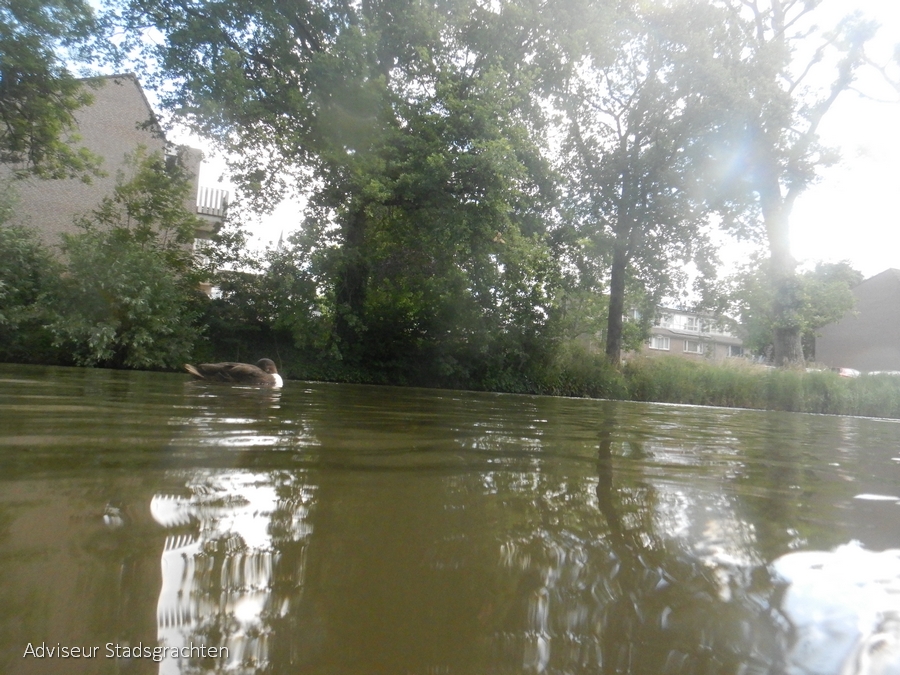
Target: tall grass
{"points": [[576, 371], [678, 380], [573, 370], [744, 385]]}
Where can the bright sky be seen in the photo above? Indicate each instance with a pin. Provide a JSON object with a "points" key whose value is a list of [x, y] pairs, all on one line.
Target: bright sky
{"points": [[853, 213]]}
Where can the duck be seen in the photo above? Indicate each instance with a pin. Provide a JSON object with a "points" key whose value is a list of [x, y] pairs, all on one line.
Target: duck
{"points": [[264, 373]]}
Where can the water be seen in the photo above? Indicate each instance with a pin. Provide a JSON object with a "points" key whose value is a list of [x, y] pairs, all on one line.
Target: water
{"points": [[334, 529]]}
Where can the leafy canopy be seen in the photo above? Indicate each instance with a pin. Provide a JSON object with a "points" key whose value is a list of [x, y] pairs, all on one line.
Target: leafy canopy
{"points": [[38, 94], [417, 134], [639, 114]]}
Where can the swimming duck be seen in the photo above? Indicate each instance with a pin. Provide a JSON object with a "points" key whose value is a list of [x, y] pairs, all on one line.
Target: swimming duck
{"points": [[263, 373]]}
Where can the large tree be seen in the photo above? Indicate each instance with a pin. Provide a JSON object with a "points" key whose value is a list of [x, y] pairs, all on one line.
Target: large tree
{"points": [[637, 112], [824, 295], [789, 76], [416, 131]]}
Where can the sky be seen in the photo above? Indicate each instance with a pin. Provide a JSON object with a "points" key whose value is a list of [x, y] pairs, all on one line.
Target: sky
{"points": [[852, 213]]}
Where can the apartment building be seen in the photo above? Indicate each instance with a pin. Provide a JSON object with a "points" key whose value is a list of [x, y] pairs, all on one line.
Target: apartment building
{"points": [[692, 335], [118, 122]]}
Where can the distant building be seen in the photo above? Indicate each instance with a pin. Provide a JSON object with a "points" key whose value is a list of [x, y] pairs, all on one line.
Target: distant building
{"points": [[867, 338], [694, 335], [118, 121]]}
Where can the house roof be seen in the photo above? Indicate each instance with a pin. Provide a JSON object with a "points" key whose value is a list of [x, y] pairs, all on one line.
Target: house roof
{"points": [[701, 314], [890, 273]]}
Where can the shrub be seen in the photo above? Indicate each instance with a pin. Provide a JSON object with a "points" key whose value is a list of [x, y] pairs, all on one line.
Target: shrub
{"points": [[129, 296], [27, 280]]}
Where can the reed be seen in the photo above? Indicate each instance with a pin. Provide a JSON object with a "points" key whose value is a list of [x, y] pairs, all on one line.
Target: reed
{"points": [[576, 371], [744, 385]]}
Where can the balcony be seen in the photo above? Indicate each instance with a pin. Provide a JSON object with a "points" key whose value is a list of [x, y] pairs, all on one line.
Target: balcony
{"points": [[212, 202]]}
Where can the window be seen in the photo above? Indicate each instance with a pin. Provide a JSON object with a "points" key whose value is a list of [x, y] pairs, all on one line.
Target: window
{"points": [[691, 323], [659, 342], [693, 346], [710, 326], [735, 350], [664, 320]]}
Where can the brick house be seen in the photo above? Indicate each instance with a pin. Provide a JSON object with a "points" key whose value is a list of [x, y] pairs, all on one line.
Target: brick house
{"points": [[117, 122], [867, 338], [693, 335]]}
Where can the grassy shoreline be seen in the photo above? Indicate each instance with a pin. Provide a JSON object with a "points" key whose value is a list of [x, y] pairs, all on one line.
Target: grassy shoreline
{"points": [[741, 384], [574, 372], [735, 383]]}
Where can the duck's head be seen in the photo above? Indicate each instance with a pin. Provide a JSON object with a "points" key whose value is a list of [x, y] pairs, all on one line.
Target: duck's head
{"points": [[268, 366]]}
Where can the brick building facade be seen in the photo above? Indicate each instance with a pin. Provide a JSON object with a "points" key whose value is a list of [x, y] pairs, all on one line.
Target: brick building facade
{"points": [[115, 124]]}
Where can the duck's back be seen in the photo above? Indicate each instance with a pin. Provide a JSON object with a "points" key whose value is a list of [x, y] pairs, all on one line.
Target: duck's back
{"points": [[228, 372]]}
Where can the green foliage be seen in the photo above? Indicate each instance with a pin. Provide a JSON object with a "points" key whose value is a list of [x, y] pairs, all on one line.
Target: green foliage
{"points": [[817, 297], [129, 294], [828, 297], [265, 303], [27, 281], [737, 383], [636, 128], [21, 276], [581, 314], [577, 371], [426, 249], [38, 94]]}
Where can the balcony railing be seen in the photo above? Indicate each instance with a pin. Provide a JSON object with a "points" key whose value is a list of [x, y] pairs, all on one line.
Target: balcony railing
{"points": [[212, 202]]}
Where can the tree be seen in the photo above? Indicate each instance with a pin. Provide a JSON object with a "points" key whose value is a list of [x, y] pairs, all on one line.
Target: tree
{"points": [[265, 301], [824, 295], [129, 294], [770, 147], [635, 125], [28, 278], [416, 130], [38, 94]]}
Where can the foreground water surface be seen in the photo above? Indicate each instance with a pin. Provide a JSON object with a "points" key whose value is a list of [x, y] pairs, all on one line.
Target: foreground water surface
{"points": [[336, 529]]}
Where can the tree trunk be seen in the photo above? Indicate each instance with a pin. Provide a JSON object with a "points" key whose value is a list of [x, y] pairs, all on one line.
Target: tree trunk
{"points": [[787, 339], [616, 302], [788, 346]]}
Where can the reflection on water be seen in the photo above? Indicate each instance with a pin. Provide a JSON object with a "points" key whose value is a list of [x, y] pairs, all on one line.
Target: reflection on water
{"points": [[343, 529], [843, 606], [222, 539]]}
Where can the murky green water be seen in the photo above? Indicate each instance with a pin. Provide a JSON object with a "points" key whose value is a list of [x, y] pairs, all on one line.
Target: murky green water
{"points": [[332, 529]]}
